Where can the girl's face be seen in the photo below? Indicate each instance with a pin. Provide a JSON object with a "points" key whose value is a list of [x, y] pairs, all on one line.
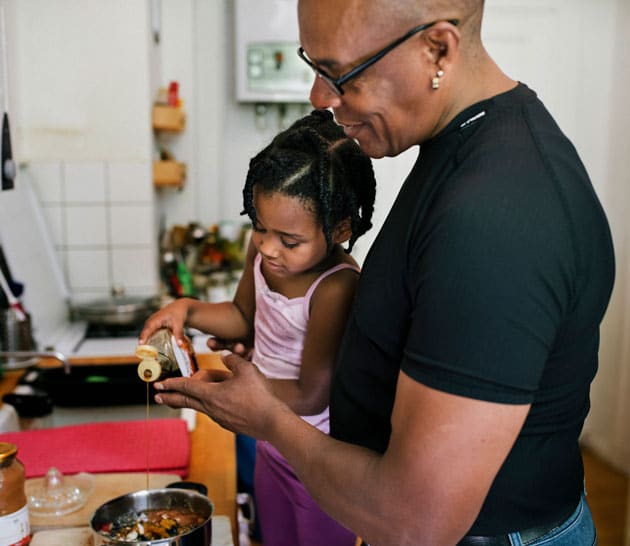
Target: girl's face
{"points": [[287, 235]]}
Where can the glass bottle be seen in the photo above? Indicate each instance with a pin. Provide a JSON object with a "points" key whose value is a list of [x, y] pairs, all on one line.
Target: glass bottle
{"points": [[161, 357], [14, 521]]}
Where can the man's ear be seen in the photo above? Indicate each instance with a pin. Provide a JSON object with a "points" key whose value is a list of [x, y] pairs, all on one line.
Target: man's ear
{"points": [[342, 231], [443, 41]]}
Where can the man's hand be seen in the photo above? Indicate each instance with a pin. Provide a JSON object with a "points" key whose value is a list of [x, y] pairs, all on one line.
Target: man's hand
{"points": [[240, 399]]}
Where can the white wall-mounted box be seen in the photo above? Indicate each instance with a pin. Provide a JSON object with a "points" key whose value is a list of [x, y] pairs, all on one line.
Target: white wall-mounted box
{"points": [[268, 68]]}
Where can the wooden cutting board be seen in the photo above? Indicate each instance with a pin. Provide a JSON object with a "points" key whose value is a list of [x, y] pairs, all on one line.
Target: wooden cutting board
{"points": [[106, 487], [75, 536]]}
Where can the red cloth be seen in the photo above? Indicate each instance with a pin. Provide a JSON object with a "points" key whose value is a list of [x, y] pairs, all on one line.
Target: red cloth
{"points": [[119, 446]]}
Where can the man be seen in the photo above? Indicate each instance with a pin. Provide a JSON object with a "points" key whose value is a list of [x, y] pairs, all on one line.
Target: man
{"points": [[463, 380]]}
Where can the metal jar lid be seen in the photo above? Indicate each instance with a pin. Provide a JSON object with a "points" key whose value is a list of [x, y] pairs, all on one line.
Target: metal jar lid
{"points": [[7, 451]]}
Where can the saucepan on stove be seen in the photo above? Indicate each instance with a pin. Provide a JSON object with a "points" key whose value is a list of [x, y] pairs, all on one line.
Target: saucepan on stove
{"points": [[117, 310], [172, 516]]}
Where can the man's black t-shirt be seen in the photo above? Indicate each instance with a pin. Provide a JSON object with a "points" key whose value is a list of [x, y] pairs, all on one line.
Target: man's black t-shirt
{"points": [[489, 280]]}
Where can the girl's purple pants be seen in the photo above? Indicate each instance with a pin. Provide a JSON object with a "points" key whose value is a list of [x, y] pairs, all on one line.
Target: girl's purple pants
{"points": [[287, 514]]}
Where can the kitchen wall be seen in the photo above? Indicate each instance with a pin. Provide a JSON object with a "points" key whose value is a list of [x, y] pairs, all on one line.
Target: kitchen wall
{"points": [[82, 83], [81, 88], [101, 218], [607, 429]]}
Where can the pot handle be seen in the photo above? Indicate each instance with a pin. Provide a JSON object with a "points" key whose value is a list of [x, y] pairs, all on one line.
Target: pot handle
{"points": [[195, 486]]}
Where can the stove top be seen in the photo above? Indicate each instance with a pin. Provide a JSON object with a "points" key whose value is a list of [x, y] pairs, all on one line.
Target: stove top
{"points": [[107, 346], [109, 341], [100, 331], [77, 339]]}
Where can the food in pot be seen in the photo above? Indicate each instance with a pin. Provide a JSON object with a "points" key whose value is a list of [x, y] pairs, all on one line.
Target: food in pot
{"points": [[152, 524]]}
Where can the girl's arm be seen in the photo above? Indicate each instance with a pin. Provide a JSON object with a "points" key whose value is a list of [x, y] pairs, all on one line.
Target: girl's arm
{"points": [[227, 320], [330, 307]]}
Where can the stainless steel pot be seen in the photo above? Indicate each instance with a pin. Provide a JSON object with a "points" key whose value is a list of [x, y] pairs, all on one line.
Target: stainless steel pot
{"points": [[118, 310], [152, 499], [15, 337]]}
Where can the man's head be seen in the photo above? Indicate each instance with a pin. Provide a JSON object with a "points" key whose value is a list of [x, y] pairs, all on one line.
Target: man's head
{"points": [[393, 104]]}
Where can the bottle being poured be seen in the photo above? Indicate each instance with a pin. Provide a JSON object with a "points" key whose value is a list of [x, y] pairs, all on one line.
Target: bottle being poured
{"points": [[162, 357]]}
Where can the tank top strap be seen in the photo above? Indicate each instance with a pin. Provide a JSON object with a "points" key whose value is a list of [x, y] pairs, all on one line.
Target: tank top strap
{"points": [[313, 287], [257, 269]]}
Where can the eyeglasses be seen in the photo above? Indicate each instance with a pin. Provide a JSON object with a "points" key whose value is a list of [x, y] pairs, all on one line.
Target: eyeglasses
{"points": [[336, 83]]}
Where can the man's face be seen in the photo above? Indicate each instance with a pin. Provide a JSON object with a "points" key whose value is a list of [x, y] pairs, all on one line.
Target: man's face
{"points": [[381, 107]]}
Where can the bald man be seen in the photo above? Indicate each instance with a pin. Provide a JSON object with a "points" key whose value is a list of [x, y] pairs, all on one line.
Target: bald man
{"points": [[463, 380]]}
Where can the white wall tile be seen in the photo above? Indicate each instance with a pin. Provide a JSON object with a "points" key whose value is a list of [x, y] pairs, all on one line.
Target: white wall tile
{"points": [[88, 269], [86, 295], [84, 182], [130, 181], [86, 225], [132, 225], [54, 220], [46, 177], [135, 267]]}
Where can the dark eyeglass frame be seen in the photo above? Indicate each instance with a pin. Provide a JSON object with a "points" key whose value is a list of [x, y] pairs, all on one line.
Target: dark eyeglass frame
{"points": [[336, 83]]}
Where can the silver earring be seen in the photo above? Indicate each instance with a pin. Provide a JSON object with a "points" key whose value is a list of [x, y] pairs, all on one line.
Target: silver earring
{"points": [[435, 82]]}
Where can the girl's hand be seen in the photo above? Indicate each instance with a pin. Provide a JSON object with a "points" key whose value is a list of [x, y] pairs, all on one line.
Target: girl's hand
{"points": [[173, 316], [236, 347]]}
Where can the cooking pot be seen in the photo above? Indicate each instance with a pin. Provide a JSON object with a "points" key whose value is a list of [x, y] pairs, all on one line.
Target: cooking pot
{"points": [[15, 335], [117, 310], [152, 499]]}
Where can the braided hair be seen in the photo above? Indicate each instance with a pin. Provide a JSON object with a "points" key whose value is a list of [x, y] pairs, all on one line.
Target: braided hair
{"points": [[314, 161]]}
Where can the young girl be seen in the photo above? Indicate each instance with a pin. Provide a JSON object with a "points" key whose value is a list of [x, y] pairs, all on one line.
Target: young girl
{"points": [[307, 193]]}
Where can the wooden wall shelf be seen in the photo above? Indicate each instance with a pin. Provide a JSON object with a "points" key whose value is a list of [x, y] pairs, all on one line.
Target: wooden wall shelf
{"points": [[169, 174], [168, 118]]}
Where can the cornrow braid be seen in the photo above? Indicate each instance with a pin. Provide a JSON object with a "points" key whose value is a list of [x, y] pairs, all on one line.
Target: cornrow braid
{"points": [[314, 161]]}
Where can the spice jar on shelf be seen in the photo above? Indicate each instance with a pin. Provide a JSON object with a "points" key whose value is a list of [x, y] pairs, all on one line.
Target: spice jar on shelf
{"points": [[162, 357], [14, 520]]}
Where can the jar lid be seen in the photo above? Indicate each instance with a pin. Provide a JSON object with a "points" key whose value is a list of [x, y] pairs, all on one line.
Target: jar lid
{"points": [[7, 451], [56, 494]]}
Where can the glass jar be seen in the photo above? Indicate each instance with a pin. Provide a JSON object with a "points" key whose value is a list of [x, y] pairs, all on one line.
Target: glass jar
{"points": [[14, 523], [161, 357], [218, 287]]}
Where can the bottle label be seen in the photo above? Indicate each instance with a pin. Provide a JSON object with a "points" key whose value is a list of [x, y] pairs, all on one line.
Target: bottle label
{"points": [[183, 359], [15, 529]]}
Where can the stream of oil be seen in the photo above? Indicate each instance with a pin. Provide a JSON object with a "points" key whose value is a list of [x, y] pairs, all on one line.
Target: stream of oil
{"points": [[148, 436]]}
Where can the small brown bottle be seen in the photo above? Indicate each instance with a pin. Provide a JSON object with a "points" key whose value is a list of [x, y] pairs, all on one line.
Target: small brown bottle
{"points": [[161, 357], [14, 520]]}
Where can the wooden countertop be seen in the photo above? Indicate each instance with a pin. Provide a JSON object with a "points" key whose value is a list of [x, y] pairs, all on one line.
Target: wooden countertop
{"points": [[213, 449]]}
